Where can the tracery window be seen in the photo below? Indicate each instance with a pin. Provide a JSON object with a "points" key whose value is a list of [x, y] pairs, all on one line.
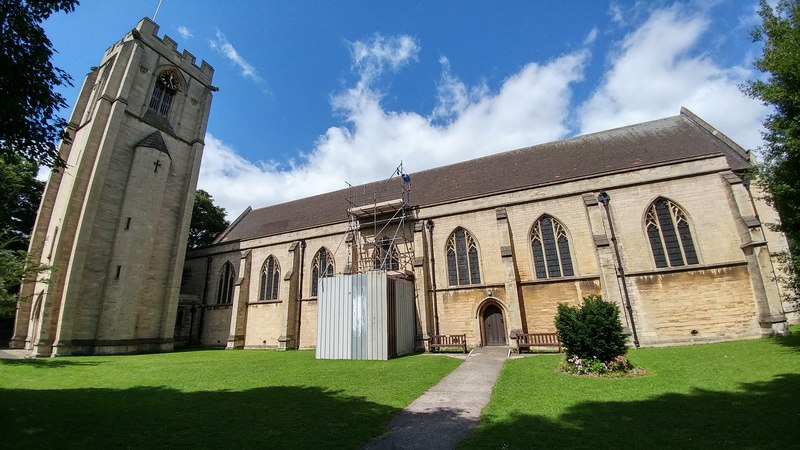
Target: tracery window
{"points": [[225, 286], [385, 255], [550, 246], [321, 266], [462, 259], [670, 237], [167, 85], [270, 277]]}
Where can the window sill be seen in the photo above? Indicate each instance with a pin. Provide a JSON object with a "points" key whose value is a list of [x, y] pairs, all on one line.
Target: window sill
{"points": [[264, 302], [221, 306], [686, 268]]}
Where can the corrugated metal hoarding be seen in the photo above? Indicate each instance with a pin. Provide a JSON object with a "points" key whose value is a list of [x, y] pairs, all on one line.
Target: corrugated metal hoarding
{"points": [[365, 316]]}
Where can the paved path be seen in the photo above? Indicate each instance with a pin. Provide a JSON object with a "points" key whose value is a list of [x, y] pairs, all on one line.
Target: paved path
{"points": [[448, 412], [14, 354]]}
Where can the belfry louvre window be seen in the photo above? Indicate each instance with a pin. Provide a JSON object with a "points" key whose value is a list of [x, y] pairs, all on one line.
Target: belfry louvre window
{"points": [[385, 256], [270, 276], [550, 246], [462, 259], [669, 235], [226, 282], [322, 266], [164, 91]]}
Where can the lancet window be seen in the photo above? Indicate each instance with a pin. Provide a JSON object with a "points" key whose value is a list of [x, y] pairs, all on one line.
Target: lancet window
{"points": [[385, 255], [270, 278], [321, 266], [226, 283], [462, 258], [670, 238], [550, 246]]}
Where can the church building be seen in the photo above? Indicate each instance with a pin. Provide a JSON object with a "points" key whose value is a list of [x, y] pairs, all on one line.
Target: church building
{"points": [[657, 217]]}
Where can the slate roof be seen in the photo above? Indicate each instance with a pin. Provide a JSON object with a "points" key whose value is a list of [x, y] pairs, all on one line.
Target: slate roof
{"points": [[662, 141]]}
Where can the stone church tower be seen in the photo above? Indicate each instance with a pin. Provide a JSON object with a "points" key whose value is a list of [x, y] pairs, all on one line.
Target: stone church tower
{"points": [[113, 225]]}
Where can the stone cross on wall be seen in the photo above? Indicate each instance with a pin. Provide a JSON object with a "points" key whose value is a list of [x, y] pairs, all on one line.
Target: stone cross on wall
{"points": [[157, 164]]}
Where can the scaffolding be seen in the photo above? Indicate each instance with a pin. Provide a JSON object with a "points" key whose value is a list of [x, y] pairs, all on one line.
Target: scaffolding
{"points": [[378, 234]]}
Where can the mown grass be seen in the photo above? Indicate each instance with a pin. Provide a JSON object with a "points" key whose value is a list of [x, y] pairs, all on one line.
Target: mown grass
{"points": [[207, 399], [730, 395]]}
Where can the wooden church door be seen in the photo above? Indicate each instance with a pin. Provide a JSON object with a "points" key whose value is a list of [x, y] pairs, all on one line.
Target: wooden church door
{"points": [[494, 330]]}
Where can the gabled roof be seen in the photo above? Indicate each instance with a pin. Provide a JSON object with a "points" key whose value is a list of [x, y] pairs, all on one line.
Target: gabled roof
{"points": [[154, 141], [662, 141]]}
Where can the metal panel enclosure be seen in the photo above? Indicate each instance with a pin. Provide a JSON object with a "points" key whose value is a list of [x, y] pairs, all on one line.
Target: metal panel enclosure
{"points": [[365, 316]]}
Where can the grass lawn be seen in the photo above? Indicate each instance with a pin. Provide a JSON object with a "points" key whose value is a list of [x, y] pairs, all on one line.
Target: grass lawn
{"points": [[207, 399], [742, 394]]}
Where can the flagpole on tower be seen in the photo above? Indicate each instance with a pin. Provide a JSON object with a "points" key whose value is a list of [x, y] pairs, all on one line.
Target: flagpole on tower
{"points": [[157, 8]]}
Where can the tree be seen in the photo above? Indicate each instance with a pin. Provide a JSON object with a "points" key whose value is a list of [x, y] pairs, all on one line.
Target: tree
{"points": [[208, 220], [15, 267], [779, 172], [20, 194], [29, 125], [592, 330]]}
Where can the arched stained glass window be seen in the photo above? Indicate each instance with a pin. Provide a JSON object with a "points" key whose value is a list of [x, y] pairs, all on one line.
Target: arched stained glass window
{"points": [[321, 266], [668, 232], [270, 278], [385, 255], [226, 283], [550, 246], [462, 259]]}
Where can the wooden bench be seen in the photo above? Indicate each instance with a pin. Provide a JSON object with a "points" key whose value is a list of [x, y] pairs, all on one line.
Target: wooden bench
{"points": [[528, 340], [447, 341]]}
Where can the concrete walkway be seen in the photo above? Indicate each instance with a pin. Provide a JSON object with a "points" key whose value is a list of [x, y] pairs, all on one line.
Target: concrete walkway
{"points": [[14, 354], [448, 412]]}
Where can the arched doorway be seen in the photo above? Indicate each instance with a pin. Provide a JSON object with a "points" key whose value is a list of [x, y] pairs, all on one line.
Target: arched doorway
{"points": [[494, 328]]}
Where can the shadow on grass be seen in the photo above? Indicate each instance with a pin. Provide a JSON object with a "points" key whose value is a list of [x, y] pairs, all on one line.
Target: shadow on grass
{"points": [[791, 341], [760, 415], [270, 417], [47, 363]]}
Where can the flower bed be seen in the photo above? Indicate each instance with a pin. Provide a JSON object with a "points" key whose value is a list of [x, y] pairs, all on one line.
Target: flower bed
{"points": [[619, 366]]}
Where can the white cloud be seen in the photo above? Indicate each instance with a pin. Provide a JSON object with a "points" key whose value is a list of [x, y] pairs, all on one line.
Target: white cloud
{"points": [[226, 49], [657, 70], [615, 12], [591, 37], [370, 58], [531, 106], [184, 32]]}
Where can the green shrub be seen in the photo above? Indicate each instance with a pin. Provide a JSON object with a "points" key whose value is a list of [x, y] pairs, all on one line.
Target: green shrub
{"points": [[591, 331]]}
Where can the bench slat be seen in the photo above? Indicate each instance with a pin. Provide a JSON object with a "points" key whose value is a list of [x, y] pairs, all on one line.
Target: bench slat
{"points": [[528, 340], [448, 340]]}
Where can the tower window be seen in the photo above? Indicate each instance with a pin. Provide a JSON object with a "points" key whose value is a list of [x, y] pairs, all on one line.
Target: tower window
{"points": [[166, 86]]}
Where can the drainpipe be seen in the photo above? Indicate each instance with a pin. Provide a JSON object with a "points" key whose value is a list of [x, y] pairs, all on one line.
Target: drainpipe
{"points": [[203, 305], [429, 226], [300, 294], [604, 198]]}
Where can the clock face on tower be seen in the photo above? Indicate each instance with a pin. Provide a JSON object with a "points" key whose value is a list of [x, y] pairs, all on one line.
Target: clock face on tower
{"points": [[169, 80]]}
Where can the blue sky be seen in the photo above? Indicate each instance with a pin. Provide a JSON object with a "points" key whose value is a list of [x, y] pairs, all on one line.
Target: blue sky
{"points": [[314, 94]]}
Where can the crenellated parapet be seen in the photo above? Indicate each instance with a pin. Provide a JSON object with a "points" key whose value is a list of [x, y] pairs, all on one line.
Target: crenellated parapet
{"points": [[146, 31]]}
